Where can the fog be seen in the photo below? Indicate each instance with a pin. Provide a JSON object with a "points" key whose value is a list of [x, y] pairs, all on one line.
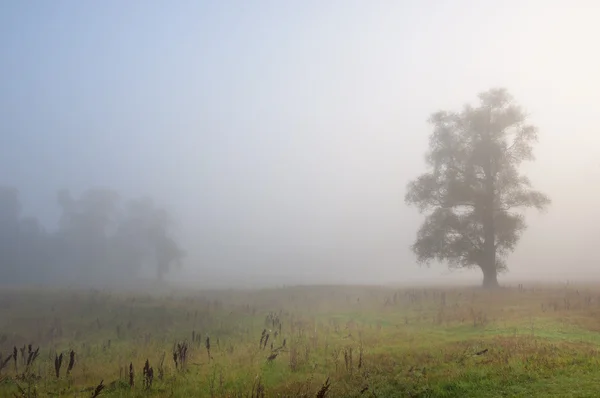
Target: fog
{"points": [[280, 136]]}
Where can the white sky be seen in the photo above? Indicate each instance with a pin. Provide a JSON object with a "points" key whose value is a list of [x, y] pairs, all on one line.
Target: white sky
{"points": [[282, 134]]}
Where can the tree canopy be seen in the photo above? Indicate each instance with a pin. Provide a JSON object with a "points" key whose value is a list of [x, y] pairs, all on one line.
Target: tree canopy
{"points": [[99, 238], [473, 191]]}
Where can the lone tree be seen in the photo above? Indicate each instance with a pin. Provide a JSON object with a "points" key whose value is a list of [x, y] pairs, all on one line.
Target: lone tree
{"points": [[473, 190]]}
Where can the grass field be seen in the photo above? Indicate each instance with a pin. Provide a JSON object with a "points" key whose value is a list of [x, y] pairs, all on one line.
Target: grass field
{"points": [[303, 341]]}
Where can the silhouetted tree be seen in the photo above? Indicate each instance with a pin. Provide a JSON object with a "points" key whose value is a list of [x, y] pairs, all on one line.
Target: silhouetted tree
{"points": [[97, 240], [473, 189], [23, 242], [10, 209], [33, 250], [168, 254], [86, 225], [149, 227]]}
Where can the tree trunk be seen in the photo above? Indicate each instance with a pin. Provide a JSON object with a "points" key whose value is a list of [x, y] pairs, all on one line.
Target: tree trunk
{"points": [[490, 273], [490, 277]]}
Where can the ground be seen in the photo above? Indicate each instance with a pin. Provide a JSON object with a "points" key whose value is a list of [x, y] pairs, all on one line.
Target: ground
{"points": [[519, 341]]}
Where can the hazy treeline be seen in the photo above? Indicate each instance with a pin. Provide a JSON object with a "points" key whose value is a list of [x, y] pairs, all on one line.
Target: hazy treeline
{"points": [[100, 238]]}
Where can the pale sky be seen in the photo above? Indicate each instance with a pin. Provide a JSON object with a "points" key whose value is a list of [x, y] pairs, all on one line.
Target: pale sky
{"points": [[281, 134]]}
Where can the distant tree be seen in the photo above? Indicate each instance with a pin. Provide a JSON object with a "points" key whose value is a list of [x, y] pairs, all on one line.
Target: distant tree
{"points": [[147, 228], [23, 242], [98, 240], [33, 250], [473, 189], [95, 212], [86, 227], [10, 213]]}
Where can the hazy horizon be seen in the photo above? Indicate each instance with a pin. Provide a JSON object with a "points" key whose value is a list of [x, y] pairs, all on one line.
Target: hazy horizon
{"points": [[281, 136]]}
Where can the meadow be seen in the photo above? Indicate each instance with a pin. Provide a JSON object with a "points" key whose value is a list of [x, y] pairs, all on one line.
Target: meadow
{"points": [[319, 341]]}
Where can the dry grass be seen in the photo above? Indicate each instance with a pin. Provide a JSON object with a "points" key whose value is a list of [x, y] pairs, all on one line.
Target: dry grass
{"points": [[302, 341]]}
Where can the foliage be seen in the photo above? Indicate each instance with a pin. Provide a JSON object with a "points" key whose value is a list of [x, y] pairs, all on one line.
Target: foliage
{"points": [[98, 238], [473, 191]]}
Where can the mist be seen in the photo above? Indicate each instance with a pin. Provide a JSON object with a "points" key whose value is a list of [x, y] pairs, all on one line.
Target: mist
{"points": [[280, 136]]}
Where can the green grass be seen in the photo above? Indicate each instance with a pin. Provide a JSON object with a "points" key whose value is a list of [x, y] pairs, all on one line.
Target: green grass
{"points": [[540, 341]]}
